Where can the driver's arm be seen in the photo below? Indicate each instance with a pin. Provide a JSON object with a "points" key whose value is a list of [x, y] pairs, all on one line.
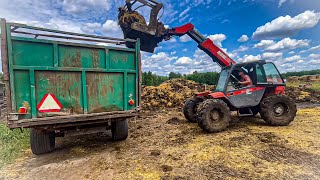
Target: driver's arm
{"points": [[247, 81]]}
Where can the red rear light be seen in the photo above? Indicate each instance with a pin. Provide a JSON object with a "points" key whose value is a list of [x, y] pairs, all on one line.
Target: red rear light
{"points": [[131, 102], [22, 110]]}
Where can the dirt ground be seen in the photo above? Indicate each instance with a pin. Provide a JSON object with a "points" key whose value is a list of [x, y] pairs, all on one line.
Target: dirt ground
{"points": [[163, 145]]}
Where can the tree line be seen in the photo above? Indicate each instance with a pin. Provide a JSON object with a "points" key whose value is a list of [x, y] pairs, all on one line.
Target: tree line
{"points": [[150, 79], [210, 78], [301, 73]]}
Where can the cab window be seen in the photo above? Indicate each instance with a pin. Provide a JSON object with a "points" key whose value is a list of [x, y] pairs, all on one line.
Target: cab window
{"points": [[222, 81], [261, 78], [272, 74]]}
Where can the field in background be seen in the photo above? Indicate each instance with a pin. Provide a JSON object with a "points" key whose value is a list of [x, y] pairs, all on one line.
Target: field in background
{"points": [[314, 85]]}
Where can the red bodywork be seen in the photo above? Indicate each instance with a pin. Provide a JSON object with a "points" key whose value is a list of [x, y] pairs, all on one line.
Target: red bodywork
{"points": [[182, 30], [218, 56], [206, 45], [219, 95], [280, 90]]}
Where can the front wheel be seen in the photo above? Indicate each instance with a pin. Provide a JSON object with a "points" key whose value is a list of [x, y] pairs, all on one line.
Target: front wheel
{"points": [[278, 110], [190, 109], [213, 115]]}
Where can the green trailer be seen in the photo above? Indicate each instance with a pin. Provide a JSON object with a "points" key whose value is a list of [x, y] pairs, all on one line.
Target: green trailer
{"points": [[62, 83]]}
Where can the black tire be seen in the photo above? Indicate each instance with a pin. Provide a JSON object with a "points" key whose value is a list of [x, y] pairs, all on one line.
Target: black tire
{"points": [[41, 141], [278, 110], [213, 115], [255, 111], [190, 109], [120, 130]]}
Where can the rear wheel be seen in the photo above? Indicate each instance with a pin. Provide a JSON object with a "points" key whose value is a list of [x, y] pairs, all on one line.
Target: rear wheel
{"points": [[190, 109], [41, 141], [278, 110], [119, 130], [213, 115]]}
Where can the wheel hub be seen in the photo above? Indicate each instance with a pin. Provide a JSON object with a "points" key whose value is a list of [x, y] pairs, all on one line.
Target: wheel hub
{"points": [[279, 109], [215, 115]]}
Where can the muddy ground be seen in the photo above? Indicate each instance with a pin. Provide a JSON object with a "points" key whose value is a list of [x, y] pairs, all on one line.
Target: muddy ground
{"points": [[163, 145]]}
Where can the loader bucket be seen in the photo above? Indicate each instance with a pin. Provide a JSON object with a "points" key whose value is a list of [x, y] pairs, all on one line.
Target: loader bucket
{"points": [[134, 26]]}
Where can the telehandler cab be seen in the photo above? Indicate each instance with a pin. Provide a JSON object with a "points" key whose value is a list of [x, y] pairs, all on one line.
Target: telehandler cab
{"points": [[212, 110]]}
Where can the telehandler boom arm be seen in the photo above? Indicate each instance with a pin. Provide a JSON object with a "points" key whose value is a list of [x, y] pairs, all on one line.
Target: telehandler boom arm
{"points": [[204, 44]]}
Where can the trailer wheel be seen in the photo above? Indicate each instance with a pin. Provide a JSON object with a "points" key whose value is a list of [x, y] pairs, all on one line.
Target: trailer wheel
{"points": [[41, 141], [190, 109], [213, 115], [278, 110], [119, 130]]}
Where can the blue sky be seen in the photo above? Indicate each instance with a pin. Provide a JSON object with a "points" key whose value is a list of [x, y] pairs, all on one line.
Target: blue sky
{"points": [[285, 32]]}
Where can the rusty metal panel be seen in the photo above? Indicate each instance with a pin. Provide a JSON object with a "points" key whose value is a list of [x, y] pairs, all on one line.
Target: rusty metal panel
{"points": [[122, 60], [32, 54], [132, 89], [87, 79], [82, 57], [22, 92], [105, 92], [66, 86]]}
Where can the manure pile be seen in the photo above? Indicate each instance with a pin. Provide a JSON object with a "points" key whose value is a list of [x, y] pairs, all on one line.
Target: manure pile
{"points": [[173, 94], [170, 94]]}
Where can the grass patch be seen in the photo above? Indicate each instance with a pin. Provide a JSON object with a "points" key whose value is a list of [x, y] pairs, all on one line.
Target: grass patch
{"points": [[12, 144], [315, 85]]}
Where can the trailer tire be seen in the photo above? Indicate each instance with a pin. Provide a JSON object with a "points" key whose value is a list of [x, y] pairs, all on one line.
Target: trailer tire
{"points": [[120, 130], [41, 141], [190, 109], [278, 110], [213, 115]]}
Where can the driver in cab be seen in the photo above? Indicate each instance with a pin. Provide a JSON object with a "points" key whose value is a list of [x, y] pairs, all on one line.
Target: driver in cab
{"points": [[245, 80]]}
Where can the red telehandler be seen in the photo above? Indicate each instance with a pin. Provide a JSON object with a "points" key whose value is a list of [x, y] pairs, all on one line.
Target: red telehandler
{"points": [[212, 110]]}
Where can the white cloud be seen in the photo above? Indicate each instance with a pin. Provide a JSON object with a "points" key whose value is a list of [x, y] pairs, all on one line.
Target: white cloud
{"points": [[285, 26], [173, 53], [288, 43], [314, 48], [83, 6], [284, 44], [281, 2], [249, 58], [291, 52], [314, 56], [110, 26], [293, 58], [271, 55], [218, 39], [264, 44], [185, 38], [242, 48], [162, 56], [243, 38], [315, 61], [184, 12], [91, 27], [183, 61]]}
